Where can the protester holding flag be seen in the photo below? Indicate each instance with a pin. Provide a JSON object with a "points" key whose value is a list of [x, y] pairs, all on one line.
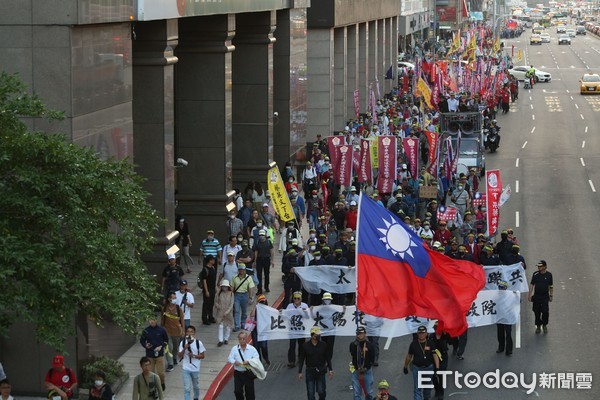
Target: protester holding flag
{"points": [[361, 368]]}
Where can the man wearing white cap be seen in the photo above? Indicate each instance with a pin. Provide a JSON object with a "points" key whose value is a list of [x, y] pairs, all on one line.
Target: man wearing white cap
{"points": [[352, 196]]}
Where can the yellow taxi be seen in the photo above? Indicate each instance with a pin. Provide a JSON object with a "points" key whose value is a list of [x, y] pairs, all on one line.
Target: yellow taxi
{"points": [[538, 30], [590, 83], [535, 39]]}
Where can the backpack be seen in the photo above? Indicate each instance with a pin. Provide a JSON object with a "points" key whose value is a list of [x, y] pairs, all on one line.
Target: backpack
{"points": [[197, 347]]}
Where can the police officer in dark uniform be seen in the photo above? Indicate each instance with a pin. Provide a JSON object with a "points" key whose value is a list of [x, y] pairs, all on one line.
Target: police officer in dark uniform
{"points": [[541, 291], [505, 340]]}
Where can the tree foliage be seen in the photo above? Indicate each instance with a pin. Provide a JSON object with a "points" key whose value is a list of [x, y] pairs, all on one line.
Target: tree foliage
{"points": [[72, 228]]}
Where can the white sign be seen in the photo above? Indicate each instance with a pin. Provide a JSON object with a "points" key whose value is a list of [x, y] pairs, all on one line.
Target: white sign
{"points": [[513, 274], [330, 278], [490, 307], [504, 196]]}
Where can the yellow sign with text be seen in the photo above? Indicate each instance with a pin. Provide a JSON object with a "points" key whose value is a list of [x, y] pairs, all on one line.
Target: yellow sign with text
{"points": [[281, 201]]}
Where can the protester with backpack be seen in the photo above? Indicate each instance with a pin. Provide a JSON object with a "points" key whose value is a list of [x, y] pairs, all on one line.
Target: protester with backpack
{"points": [[172, 321], [60, 379], [101, 390], [191, 352]]}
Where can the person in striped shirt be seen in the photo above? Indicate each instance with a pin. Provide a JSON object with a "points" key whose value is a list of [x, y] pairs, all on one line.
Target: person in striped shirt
{"points": [[210, 247]]}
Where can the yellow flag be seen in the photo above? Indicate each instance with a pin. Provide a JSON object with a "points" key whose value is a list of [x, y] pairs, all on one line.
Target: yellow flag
{"points": [[520, 55], [472, 43], [455, 46], [281, 201], [425, 91], [496, 45]]}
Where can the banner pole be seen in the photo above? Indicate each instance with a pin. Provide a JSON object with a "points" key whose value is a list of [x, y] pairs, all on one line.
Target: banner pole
{"points": [[518, 329]]}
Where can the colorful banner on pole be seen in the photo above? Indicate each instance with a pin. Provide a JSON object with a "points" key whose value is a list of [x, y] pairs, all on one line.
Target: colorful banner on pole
{"points": [[494, 190], [332, 143], [281, 201], [356, 102], [505, 195], [343, 169], [365, 171], [411, 149], [425, 91], [374, 147], [432, 156], [387, 163]]}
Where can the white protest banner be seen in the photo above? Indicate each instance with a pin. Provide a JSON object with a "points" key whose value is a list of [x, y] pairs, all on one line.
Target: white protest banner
{"points": [[513, 274], [490, 307], [333, 320], [504, 196], [494, 307], [330, 278]]}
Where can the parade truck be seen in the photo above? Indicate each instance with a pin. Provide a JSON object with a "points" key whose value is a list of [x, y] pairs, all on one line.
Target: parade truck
{"points": [[468, 126]]}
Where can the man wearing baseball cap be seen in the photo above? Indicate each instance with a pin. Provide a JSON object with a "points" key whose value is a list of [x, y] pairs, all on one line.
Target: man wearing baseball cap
{"points": [[541, 292], [185, 299], [363, 357], [318, 364], [383, 391], [421, 353], [60, 379]]}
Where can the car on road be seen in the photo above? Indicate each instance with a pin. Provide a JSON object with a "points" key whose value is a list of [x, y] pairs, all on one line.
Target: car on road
{"points": [[580, 30], [589, 83], [564, 39], [535, 39], [571, 32], [545, 37], [561, 29], [520, 71]]}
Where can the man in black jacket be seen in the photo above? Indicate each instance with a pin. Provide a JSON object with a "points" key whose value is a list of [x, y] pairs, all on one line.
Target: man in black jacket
{"points": [[363, 357], [318, 364]]}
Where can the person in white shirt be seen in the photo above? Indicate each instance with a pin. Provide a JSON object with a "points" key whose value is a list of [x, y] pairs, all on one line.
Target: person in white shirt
{"points": [[229, 268], [296, 304], [233, 246], [185, 299], [191, 351], [242, 376], [453, 103]]}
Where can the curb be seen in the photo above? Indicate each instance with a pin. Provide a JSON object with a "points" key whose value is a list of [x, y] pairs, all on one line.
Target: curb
{"points": [[219, 383]]}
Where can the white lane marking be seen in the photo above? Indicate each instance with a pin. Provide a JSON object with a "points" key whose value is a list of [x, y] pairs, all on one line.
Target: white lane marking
{"points": [[571, 97], [388, 343], [516, 219], [530, 98], [517, 163], [533, 117], [524, 144], [568, 91], [581, 115], [586, 128], [583, 144], [582, 162], [516, 186], [576, 106], [592, 186], [531, 105], [533, 129], [518, 332]]}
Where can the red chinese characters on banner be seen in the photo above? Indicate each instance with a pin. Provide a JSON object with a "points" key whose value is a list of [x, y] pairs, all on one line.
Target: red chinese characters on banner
{"points": [[494, 190], [357, 102], [365, 173], [332, 143], [344, 167], [432, 157], [387, 164], [411, 149]]}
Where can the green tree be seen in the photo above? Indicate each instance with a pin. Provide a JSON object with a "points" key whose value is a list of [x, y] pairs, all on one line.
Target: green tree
{"points": [[72, 228]]}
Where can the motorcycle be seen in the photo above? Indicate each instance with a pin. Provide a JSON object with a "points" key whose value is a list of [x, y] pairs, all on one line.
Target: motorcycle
{"points": [[493, 140]]}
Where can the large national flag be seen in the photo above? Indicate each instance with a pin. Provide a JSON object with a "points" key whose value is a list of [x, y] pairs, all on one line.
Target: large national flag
{"points": [[397, 276]]}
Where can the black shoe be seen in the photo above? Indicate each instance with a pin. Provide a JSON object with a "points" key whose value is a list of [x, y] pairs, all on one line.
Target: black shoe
{"points": [[169, 368], [162, 385], [212, 321], [291, 365], [499, 351], [267, 290], [226, 342], [537, 329], [508, 354], [267, 363], [376, 364], [219, 344], [460, 357], [545, 327], [205, 322]]}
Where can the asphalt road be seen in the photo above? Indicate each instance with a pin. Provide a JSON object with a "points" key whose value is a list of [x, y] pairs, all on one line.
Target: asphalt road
{"points": [[549, 155]]}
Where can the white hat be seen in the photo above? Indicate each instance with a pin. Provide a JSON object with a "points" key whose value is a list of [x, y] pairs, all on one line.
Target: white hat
{"points": [[346, 128], [404, 166], [172, 256], [265, 205], [352, 189], [352, 203], [225, 282], [262, 232]]}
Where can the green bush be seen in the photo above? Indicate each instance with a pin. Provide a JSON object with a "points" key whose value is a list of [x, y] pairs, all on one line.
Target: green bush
{"points": [[112, 368]]}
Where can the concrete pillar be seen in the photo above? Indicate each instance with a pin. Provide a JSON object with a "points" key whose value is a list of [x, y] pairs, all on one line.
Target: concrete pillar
{"points": [[252, 97], [373, 51], [340, 79], [352, 43], [363, 65], [382, 55], [153, 123], [394, 45], [320, 82], [203, 112], [281, 88], [389, 46]]}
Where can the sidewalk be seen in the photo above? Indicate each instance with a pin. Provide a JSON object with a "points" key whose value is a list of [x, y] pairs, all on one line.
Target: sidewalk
{"points": [[216, 357]]}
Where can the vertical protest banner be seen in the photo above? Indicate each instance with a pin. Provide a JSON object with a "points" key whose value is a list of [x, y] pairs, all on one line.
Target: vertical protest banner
{"points": [[411, 149], [332, 143], [432, 156], [374, 148], [344, 168], [493, 192], [356, 102], [365, 172], [281, 201], [388, 154]]}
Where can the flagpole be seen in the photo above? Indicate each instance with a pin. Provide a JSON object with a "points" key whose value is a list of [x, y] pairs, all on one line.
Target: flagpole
{"points": [[518, 330]]}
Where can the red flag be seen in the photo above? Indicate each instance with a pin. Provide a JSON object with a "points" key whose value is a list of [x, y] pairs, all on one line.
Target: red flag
{"points": [[432, 157], [365, 173], [343, 170], [332, 143], [398, 276], [387, 163], [411, 149], [494, 190]]}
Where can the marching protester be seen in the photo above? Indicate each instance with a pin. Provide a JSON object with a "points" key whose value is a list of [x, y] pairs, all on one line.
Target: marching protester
{"points": [[422, 356], [541, 293], [318, 365], [363, 357]]}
